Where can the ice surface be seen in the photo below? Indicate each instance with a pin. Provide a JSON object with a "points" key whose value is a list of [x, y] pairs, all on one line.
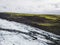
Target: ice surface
{"points": [[22, 34]]}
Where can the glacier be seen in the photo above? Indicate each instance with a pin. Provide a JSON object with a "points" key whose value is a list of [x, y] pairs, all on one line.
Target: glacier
{"points": [[14, 33]]}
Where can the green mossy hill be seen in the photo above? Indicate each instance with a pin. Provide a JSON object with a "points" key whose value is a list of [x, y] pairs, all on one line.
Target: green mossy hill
{"points": [[46, 22]]}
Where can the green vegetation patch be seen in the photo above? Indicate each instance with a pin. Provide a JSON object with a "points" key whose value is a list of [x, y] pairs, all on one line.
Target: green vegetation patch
{"points": [[46, 22]]}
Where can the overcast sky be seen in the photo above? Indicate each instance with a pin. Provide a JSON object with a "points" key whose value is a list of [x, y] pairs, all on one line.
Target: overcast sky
{"points": [[30, 6]]}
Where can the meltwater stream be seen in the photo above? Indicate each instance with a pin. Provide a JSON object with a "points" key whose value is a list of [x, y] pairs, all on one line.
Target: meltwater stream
{"points": [[14, 33]]}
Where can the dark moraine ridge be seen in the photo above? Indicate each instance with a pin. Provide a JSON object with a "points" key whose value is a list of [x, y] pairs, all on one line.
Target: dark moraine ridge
{"points": [[28, 20]]}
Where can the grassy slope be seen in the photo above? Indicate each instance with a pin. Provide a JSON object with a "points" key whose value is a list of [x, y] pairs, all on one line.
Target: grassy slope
{"points": [[46, 22]]}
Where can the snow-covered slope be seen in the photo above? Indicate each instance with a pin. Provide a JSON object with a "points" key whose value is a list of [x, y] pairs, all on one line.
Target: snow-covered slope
{"points": [[14, 33]]}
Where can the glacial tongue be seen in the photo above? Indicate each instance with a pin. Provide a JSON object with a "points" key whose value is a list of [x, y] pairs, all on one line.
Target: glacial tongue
{"points": [[14, 33]]}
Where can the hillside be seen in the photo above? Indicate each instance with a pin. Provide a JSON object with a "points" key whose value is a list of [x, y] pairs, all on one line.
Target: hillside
{"points": [[47, 22], [14, 33]]}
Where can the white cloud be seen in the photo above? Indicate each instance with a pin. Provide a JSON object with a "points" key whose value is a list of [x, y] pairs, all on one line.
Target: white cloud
{"points": [[29, 6]]}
